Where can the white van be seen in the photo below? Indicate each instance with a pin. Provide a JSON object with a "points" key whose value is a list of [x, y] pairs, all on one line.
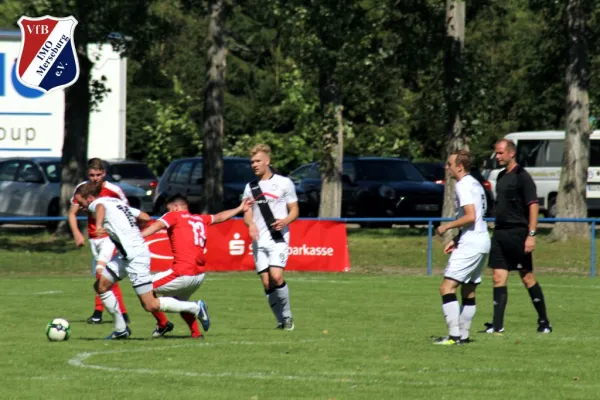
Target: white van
{"points": [[541, 154]]}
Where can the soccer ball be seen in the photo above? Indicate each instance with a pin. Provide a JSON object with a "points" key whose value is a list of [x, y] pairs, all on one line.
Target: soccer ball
{"points": [[58, 330]]}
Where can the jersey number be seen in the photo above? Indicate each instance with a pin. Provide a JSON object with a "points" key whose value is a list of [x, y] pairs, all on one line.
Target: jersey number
{"points": [[199, 233], [128, 214]]}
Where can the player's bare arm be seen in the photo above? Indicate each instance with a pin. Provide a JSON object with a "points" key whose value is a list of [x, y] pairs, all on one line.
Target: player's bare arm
{"points": [[152, 229], [77, 235], [293, 212], [249, 221], [534, 210], [467, 219], [228, 214], [100, 213], [143, 219]]}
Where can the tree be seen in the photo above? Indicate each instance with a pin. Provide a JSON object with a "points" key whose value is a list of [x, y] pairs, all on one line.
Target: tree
{"points": [[571, 199], [453, 73], [212, 150]]}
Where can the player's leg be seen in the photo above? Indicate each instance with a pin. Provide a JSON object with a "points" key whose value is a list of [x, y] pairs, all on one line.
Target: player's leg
{"points": [[261, 263], [111, 274], [106, 252], [96, 317], [499, 260], [163, 325], [185, 287], [139, 274], [454, 275], [536, 294], [468, 309], [277, 261]]}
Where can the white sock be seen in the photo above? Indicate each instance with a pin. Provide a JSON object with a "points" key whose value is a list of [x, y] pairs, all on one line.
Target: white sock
{"points": [[466, 317], [451, 312], [169, 304], [112, 306]]}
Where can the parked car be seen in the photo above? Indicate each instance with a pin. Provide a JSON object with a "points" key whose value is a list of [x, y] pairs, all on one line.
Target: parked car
{"points": [[375, 187], [135, 173], [435, 171], [30, 187], [185, 176]]}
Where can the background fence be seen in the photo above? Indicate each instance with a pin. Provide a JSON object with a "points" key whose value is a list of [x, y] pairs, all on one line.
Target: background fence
{"points": [[429, 221]]}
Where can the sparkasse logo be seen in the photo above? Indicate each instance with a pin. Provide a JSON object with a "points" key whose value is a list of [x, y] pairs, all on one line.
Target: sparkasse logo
{"points": [[305, 250]]}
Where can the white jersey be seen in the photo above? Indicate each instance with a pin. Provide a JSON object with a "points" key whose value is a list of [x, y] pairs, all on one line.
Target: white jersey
{"points": [[277, 192], [469, 191], [121, 225]]}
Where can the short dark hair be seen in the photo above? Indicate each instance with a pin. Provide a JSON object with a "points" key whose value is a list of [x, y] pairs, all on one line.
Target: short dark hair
{"points": [[463, 157], [88, 189], [95, 163], [510, 145], [177, 198]]}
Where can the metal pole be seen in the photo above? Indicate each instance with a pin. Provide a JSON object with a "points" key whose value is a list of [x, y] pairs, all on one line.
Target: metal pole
{"points": [[429, 248], [593, 251]]}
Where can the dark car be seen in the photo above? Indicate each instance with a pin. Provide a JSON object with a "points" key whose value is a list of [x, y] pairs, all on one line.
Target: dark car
{"points": [[375, 187], [135, 173], [435, 171]]}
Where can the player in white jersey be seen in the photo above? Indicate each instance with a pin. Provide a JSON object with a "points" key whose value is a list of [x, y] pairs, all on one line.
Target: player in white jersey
{"points": [[115, 218], [274, 207], [469, 250]]}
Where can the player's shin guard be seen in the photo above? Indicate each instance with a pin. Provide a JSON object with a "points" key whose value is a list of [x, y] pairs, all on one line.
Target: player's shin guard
{"points": [[170, 304], [283, 297], [537, 298], [451, 311], [192, 322], [161, 318], [500, 300], [273, 300], [99, 307], [112, 306], [466, 317], [117, 291]]}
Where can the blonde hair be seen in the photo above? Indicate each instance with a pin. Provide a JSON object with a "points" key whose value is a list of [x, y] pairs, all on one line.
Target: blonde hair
{"points": [[88, 189], [261, 147], [463, 157]]}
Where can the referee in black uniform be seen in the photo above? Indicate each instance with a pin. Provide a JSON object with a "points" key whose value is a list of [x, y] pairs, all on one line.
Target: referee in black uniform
{"points": [[514, 236]]}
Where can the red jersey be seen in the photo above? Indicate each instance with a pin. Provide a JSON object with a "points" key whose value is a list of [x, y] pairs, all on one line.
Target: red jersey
{"points": [[187, 233], [108, 190]]}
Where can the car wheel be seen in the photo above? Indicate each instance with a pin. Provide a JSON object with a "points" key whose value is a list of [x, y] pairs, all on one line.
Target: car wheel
{"points": [[552, 211], [53, 211]]}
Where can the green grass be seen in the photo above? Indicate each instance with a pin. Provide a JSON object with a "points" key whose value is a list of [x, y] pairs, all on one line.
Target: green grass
{"points": [[359, 335]]}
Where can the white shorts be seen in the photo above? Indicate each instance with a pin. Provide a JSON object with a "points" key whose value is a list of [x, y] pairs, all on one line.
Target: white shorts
{"points": [[269, 254], [103, 250], [465, 265], [138, 270], [167, 283]]}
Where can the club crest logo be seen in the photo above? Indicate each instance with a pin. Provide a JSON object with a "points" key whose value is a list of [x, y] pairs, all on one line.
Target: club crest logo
{"points": [[47, 60]]}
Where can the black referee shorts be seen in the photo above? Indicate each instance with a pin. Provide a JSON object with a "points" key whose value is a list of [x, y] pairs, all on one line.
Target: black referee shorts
{"points": [[508, 250]]}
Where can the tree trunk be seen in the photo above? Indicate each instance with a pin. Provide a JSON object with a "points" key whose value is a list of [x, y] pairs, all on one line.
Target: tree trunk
{"points": [[212, 149], [453, 75], [77, 119], [571, 200], [332, 154]]}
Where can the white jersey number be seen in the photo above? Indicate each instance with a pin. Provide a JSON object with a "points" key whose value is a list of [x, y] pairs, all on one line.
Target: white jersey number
{"points": [[199, 233]]}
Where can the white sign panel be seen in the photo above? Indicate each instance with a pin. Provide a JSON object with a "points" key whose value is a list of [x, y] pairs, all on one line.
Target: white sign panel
{"points": [[32, 123]]}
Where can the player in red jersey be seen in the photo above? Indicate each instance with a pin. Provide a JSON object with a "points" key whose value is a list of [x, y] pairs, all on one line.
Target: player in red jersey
{"points": [[188, 234], [103, 249]]}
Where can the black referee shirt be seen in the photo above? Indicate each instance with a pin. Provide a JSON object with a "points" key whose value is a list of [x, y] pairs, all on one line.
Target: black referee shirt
{"points": [[515, 192]]}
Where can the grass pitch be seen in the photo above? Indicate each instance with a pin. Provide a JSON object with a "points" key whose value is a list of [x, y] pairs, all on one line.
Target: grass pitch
{"points": [[359, 335]]}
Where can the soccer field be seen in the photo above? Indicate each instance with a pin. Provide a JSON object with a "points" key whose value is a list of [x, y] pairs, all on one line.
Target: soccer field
{"points": [[357, 337]]}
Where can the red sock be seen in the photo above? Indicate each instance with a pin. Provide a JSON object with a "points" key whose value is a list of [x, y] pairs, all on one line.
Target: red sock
{"points": [[99, 306], [161, 318], [192, 322], [117, 291]]}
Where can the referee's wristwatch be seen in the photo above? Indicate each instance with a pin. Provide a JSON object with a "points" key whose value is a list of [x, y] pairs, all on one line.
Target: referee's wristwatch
{"points": [[532, 233]]}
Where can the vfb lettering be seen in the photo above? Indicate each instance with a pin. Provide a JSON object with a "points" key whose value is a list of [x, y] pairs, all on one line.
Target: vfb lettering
{"points": [[38, 29]]}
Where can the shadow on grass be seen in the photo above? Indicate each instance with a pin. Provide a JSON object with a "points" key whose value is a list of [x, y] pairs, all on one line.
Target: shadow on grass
{"points": [[104, 339]]}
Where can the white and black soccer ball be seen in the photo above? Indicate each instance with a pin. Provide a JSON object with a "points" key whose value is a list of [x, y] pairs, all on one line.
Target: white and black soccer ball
{"points": [[58, 330]]}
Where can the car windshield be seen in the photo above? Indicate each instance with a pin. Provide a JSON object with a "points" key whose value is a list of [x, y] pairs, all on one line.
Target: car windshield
{"points": [[132, 171], [387, 170], [432, 171], [52, 171], [237, 171]]}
